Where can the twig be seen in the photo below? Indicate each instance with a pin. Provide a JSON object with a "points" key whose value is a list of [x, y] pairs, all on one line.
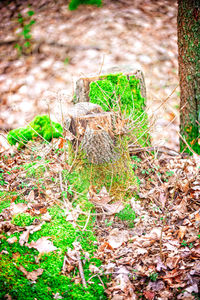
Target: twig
{"points": [[86, 223], [80, 266], [161, 149], [183, 139]]}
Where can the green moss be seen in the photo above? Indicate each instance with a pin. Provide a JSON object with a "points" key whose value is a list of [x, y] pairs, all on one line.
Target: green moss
{"points": [[20, 135], [75, 3], [41, 126], [45, 127], [23, 220], [116, 91], [63, 234]]}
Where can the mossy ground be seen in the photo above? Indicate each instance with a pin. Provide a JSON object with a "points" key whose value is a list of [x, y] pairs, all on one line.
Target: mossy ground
{"points": [[63, 234]]}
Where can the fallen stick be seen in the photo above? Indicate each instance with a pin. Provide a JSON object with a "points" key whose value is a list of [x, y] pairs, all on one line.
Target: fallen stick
{"points": [[80, 267], [161, 149]]}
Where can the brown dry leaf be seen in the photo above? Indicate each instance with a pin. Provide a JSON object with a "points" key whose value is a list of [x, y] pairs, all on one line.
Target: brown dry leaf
{"points": [[104, 246], [46, 217], [172, 262], [116, 237], [36, 228], [197, 217], [43, 245], [94, 269], [12, 240], [61, 143], [162, 198], [181, 232], [24, 237], [114, 207], [124, 284], [31, 275], [30, 197], [99, 199], [72, 213], [18, 208], [149, 295]]}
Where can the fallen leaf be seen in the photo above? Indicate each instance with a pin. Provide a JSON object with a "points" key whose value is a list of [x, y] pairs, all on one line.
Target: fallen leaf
{"points": [[94, 269], [43, 245], [197, 217], [171, 262], [31, 275], [46, 217], [149, 295], [17, 208], [99, 199], [116, 237], [114, 208], [12, 240], [181, 232], [104, 246], [24, 237], [30, 197]]}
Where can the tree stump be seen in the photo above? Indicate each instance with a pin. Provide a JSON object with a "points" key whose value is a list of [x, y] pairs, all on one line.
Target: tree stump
{"points": [[83, 84], [94, 132], [122, 91]]}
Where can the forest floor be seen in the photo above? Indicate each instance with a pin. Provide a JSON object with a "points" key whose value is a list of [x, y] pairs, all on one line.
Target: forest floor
{"points": [[144, 247], [69, 44], [56, 242]]}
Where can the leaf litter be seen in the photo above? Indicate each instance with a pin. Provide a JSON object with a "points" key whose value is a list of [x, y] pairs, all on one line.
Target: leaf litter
{"points": [[157, 258]]}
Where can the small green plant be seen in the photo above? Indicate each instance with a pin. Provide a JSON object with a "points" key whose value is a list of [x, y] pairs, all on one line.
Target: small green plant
{"points": [[26, 23], [41, 126], [2, 181], [153, 276], [75, 3], [108, 223], [127, 215], [184, 243]]}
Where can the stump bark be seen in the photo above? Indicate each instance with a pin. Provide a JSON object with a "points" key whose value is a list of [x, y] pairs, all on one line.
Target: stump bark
{"points": [[94, 132]]}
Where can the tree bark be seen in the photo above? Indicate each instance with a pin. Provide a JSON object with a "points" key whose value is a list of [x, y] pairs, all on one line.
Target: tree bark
{"points": [[95, 132], [189, 72]]}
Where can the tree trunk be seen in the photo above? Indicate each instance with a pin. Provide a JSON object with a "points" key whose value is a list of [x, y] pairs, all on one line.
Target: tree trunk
{"points": [[189, 72]]}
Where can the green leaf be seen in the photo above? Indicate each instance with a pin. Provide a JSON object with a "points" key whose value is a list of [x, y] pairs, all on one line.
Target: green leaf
{"points": [[27, 36], [20, 20], [30, 13], [32, 22], [27, 44]]}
